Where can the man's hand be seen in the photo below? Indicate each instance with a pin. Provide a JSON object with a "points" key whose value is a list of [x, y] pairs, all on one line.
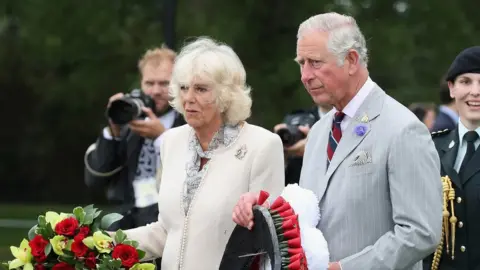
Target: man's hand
{"points": [[243, 211], [151, 128], [334, 266], [298, 149]]}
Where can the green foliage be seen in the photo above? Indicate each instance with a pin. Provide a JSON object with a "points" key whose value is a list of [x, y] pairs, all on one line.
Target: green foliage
{"points": [[60, 61]]}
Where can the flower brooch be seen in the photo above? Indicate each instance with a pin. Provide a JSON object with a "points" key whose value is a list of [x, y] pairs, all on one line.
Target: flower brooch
{"points": [[361, 129], [241, 152]]}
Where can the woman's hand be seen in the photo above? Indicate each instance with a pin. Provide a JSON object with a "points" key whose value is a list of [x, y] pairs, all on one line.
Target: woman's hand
{"points": [[243, 211]]}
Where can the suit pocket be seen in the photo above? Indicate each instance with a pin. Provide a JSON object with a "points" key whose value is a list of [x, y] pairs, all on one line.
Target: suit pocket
{"points": [[362, 169]]}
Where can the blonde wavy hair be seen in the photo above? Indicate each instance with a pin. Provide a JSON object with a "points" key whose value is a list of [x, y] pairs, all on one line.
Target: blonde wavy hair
{"points": [[217, 63]]}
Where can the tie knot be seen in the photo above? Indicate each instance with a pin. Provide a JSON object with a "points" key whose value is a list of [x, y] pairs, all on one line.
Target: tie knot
{"points": [[338, 118], [471, 136]]}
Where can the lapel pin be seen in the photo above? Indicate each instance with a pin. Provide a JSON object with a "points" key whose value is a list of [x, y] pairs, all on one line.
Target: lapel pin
{"points": [[364, 119], [452, 143]]}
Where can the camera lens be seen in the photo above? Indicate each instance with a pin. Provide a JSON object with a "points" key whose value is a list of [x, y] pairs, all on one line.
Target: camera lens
{"points": [[286, 136], [122, 111]]}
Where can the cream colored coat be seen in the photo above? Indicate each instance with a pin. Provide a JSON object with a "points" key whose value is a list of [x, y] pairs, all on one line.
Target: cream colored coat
{"points": [[197, 241]]}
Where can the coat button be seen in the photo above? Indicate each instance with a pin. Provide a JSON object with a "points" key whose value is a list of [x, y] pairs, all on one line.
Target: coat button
{"points": [[460, 224], [459, 199], [463, 248]]}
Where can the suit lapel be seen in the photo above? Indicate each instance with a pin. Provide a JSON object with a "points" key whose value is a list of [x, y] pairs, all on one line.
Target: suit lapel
{"points": [[472, 167], [450, 149], [370, 109]]}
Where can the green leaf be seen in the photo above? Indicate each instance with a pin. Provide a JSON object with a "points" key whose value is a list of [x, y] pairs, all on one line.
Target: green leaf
{"points": [[47, 231], [132, 243], [97, 213], [141, 254], [89, 210], [109, 219], [41, 221], [68, 259], [120, 237], [79, 266], [68, 253], [88, 219], [32, 232], [88, 207], [79, 214], [117, 263], [96, 225], [48, 249]]}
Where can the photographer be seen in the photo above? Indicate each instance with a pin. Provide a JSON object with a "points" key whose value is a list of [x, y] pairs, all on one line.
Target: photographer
{"points": [[293, 132], [125, 157]]}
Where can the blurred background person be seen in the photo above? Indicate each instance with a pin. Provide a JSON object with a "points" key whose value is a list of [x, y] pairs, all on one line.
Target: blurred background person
{"points": [[124, 159], [425, 112], [447, 117], [293, 132], [207, 164]]}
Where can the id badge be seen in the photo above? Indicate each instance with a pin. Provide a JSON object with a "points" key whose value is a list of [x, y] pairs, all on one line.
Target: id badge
{"points": [[145, 191]]}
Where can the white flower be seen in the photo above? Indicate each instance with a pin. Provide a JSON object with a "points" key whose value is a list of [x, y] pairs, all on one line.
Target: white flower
{"points": [[315, 247], [305, 204]]}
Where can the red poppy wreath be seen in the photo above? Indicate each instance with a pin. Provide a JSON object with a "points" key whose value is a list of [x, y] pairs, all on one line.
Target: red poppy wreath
{"points": [[284, 235]]}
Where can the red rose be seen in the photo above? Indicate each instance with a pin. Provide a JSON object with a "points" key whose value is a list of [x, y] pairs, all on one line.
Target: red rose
{"points": [[127, 254], [78, 247], [67, 227], [40, 267], [41, 258], [84, 231], [63, 266], [91, 261], [38, 244]]}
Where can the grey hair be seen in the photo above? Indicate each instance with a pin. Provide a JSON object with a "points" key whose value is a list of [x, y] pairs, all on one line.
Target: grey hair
{"points": [[218, 64], [343, 34]]}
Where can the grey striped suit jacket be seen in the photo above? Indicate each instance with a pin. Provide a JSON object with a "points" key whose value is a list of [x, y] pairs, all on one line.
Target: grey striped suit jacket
{"points": [[381, 196]]}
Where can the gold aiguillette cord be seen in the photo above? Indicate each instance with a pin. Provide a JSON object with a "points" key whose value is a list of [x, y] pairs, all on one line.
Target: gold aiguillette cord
{"points": [[448, 196]]}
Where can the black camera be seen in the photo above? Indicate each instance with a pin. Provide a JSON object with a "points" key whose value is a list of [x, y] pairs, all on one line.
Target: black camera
{"points": [[129, 107], [291, 134]]}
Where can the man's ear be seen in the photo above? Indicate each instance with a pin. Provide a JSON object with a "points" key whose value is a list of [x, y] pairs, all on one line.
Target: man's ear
{"points": [[353, 59]]}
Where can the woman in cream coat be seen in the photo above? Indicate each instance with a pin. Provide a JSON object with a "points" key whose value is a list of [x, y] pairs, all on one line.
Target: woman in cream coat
{"points": [[209, 163]]}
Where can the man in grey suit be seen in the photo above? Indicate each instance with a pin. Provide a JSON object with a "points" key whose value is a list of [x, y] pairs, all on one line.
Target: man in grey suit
{"points": [[370, 161]]}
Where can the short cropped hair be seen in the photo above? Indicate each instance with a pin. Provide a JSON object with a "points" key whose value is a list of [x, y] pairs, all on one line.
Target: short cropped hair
{"points": [[343, 35], [444, 91], [218, 64], [155, 57]]}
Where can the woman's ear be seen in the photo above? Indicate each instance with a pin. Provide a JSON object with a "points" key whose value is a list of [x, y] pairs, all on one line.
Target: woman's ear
{"points": [[451, 89]]}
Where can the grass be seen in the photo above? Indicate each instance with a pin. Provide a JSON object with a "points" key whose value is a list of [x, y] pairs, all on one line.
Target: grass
{"points": [[13, 236]]}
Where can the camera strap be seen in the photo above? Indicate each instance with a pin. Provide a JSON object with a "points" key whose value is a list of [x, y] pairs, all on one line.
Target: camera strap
{"points": [[90, 149]]}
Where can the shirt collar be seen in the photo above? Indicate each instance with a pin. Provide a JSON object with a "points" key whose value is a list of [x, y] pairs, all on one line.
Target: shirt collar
{"points": [[352, 107], [462, 130]]}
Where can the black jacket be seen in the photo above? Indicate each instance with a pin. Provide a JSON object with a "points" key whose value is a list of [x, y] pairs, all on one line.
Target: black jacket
{"points": [[466, 206], [116, 160], [294, 164]]}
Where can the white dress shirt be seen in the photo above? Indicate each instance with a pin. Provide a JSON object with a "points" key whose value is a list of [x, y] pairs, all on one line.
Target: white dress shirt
{"points": [[352, 107], [462, 147]]}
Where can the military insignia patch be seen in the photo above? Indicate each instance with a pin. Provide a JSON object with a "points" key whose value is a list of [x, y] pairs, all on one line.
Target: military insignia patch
{"points": [[440, 132]]}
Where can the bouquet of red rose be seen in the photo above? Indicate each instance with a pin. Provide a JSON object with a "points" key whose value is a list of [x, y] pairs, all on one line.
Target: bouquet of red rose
{"points": [[77, 241]]}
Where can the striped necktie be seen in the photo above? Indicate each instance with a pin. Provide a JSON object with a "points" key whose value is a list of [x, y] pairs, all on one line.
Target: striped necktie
{"points": [[335, 136]]}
